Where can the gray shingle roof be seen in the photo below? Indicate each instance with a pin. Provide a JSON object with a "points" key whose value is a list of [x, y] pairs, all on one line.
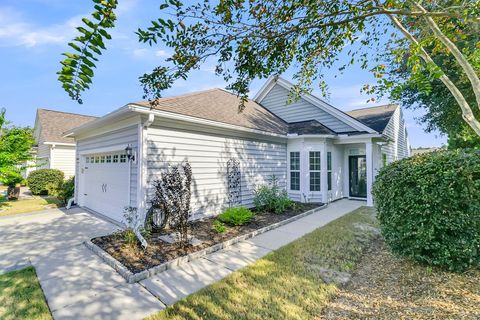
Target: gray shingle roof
{"points": [[53, 124], [221, 106], [308, 127], [376, 118]]}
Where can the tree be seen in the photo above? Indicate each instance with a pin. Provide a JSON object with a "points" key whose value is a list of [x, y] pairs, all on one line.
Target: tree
{"points": [[419, 90], [15, 149], [257, 38]]}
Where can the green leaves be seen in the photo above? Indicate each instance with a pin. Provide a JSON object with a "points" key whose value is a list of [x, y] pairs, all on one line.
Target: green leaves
{"points": [[429, 209], [77, 69]]}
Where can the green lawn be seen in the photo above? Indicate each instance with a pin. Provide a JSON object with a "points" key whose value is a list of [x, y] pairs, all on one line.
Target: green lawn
{"points": [[287, 283], [28, 205], [21, 296]]}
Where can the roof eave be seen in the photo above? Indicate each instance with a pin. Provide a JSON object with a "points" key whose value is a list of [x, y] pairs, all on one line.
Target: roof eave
{"points": [[177, 116], [109, 116]]}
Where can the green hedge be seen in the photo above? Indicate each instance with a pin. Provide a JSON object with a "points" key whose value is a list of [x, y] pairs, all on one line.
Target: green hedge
{"points": [[429, 208], [38, 180]]}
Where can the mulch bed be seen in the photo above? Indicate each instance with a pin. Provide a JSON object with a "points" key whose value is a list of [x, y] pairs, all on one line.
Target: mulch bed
{"points": [[136, 259], [386, 287]]}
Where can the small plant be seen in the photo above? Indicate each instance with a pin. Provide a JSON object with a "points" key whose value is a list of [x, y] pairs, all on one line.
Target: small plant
{"points": [[218, 226], [39, 179], [133, 231], [236, 216], [12, 179], [272, 198]]}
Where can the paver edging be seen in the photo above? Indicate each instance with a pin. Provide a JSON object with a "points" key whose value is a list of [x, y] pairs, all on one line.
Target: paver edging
{"points": [[131, 277]]}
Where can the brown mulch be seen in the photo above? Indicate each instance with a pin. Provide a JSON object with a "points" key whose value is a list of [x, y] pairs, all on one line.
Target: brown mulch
{"points": [[386, 287], [136, 259]]}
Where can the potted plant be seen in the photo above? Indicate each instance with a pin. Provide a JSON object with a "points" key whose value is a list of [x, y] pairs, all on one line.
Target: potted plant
{"points": [[12, 180]]}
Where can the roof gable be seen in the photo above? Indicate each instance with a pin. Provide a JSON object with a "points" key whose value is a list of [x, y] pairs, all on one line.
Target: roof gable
{"points": [[51, 125], [377, 117], [221, 106], [349, 123]]}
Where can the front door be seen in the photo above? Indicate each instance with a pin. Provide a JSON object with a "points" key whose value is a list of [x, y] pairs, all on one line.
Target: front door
{"points": [[358, 176]]}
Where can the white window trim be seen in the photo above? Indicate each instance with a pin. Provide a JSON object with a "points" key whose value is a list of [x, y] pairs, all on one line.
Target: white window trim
{"points": [[290, 171], [310, 171]]}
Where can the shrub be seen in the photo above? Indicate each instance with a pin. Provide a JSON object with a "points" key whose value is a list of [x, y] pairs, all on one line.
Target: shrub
{"points": [[63, 191], [218, 226], [39, 179], [272, 198], [236, 216], [429, 208], [172, 201]]}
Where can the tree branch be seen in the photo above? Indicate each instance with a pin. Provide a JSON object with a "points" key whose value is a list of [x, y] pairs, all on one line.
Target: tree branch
{"points": [[467, 113], [461, 60]]}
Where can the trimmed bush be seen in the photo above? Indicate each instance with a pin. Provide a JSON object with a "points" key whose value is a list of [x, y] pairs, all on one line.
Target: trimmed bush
{"points": [[63, 191], [38, 180], [272, 198], [429, 208], [236, 216]]}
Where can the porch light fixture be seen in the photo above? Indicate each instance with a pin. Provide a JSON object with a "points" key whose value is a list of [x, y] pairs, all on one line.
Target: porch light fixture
{"points": [[129, 152]]}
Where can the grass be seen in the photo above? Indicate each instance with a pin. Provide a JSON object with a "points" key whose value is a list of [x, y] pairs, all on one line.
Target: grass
{"points": [[26, 205], [388, 287], [285, 284], [21, 296]]}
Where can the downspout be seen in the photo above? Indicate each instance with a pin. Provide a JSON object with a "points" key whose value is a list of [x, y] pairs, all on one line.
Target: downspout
{"points": [[142, 153]]}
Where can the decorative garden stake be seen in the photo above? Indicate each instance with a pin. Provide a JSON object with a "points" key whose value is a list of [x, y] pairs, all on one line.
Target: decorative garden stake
{"points": [[234, 180]]}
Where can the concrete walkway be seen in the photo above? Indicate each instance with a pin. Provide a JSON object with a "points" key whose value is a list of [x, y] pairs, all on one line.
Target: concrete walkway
{"points": [[78, 285]]}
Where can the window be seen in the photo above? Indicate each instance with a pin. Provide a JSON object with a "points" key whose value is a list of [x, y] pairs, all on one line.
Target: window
{"points": [[295, 170], [87, 160], [384, 159], [108, 159], [102, 159], [329, 170], [97, 159], [123, 158], [314, 159], [115, 158]]}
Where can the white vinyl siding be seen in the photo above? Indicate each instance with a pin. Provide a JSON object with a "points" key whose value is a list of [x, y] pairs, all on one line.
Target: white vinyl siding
{"points": [[276, 101], [115, 139], [208, 153], [64, 159], [43, 156], [399, 147]]}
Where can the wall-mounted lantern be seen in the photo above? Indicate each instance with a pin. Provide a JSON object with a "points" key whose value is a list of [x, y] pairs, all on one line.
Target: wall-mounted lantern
{"points": [[130, 153]]}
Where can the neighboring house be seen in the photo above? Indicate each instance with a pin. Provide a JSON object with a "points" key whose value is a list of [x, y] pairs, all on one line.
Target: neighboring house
{"points": [[54, 150], [317, 152], [422, 150]]}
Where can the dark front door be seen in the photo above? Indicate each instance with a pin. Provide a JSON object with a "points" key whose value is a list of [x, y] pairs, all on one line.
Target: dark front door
{"points": [[358, 176]]}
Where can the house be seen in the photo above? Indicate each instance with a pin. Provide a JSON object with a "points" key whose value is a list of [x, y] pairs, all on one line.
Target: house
{"points": [[54, 150], [317, 152]]}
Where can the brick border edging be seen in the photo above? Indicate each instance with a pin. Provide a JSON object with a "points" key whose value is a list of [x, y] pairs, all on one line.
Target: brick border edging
{"points": [[131, 277]]}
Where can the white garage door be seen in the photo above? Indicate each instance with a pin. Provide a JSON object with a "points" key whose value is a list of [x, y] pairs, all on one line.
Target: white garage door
{"points": [[106, 184]]}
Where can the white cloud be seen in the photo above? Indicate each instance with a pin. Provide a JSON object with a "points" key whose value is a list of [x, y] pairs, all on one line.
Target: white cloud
{"points": [[162, 53], [140, 52], [14, 31]]}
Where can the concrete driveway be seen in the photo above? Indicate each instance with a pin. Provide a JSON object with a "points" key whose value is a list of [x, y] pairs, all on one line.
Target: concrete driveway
{"points": [[77, 284]]}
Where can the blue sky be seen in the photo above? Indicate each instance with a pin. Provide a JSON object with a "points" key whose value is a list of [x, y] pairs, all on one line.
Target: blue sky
{"points": [[34, 33]]}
